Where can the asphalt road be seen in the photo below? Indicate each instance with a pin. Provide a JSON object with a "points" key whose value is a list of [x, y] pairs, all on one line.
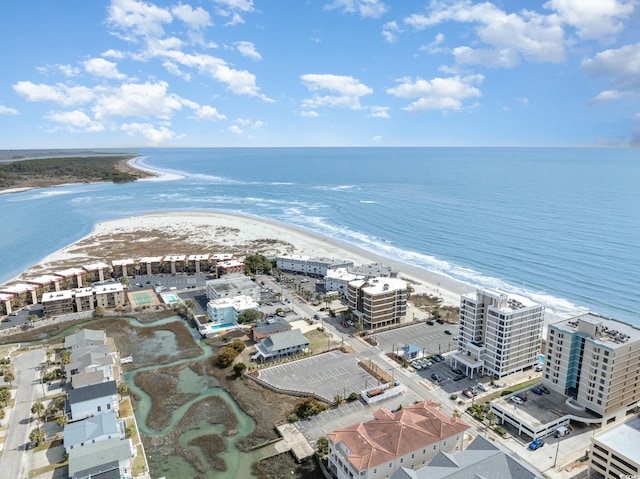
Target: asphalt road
{"points": [[14, 460]]}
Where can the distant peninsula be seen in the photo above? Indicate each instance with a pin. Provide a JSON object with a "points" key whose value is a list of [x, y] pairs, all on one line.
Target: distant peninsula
{"points": [[43, 168]]}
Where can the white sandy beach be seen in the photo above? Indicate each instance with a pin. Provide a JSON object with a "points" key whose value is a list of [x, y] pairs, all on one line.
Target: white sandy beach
{"points": [[216, 228]]}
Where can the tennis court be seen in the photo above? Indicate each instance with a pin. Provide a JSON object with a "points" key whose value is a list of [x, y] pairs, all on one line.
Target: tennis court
{"points": [[142, 298]]}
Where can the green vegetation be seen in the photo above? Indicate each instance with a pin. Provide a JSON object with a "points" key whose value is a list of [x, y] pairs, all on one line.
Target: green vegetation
{"points": [[239, 368], [37, 436], [61, 170], [257, 263], [322, 444], [308, 407], [225, 357], [249, 316]]}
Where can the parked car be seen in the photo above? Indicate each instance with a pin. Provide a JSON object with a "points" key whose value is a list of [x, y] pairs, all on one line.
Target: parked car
{"points": [[457, 371], [436, 377], [482, 387], [440, 356], [539, 367], [523, 397], [544, 390], [466, 392], [517, 400], [416, 365], [473, 391], [536, 444], [436, 359], [561, 431], [430, 323], [537, 391], [425, 364], [446, 331]]}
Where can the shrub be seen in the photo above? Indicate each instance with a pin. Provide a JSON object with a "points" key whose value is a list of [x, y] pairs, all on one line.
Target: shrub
{"points": [[453, 397], [239, 368], [308, 407], [505, 393], [353, 397], [225, 357], [322, 444], [237, 345]]}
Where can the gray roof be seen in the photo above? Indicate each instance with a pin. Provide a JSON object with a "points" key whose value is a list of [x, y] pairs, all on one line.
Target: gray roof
{"points": [[262, 327], [232, 283], [93, 392], [85, 335], [82, 380], [480, 460], [80, 362], [623, 439], [111, 470], [90, 428], [98, 454], [284, 340]]}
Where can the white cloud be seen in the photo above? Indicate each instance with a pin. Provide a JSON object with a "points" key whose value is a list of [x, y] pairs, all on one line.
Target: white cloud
{"points": [[207, 112], [609, 95], [248, 49], [5, 110], [137, 100], [309, 114], [141, 18], [154, 135], [111, 53], [68, 70], [196, 19], [59, 93], [103, 68], [366, 8], [509, 37], [593, 19], [234, 9], [389, 31], [348, 89], [434, 46], [376, 139], [622, 64], [75, 121], [175, 70], [235, 129], [379, 112], [438, 93]]}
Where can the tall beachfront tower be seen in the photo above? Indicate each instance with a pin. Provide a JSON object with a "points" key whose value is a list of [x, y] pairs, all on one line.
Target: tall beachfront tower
{"points": [[596, 361], [500, 334], [378, 301]]}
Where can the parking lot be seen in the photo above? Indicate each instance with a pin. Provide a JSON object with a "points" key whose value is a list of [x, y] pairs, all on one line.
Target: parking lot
{"points": [[325, 375], [430, 339]]}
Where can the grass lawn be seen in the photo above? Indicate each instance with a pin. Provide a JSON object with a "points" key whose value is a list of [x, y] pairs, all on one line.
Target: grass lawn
{"points": [[139, 465], [320, 341], [514, 388], [49, 468]]}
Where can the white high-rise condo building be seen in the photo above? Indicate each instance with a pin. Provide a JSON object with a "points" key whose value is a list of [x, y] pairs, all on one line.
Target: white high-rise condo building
{"points": [[499, 334], [378, 301]]}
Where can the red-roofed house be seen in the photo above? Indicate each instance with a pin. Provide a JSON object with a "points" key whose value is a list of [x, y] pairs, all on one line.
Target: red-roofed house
{"points": [[408, 438]]}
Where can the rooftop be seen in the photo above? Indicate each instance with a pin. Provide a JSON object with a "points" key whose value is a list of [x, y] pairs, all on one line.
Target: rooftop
{"points": [[380, 285], [57, 295], [90, 428], [232, 283], [92, 392], [284, 340], [623, 439], [151, 259], [97, 454], [95, 336], [608, 332], [239, 303], [393, 434], [122, 262], [481, 459]]}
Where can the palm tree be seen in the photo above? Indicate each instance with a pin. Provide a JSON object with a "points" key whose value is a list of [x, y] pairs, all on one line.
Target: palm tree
{"points": [[37, 408], [491, 417], [62, 421], [37, 435]]}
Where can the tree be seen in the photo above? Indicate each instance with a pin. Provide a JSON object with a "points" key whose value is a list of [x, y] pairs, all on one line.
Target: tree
{"points": [[249, 316], [257, 263], [37, 408], [9, 377], [238, 345], [5, 396], [37, 436], [225, 357], [65, 356], [239, 368], [338, 399], [308, 407], [99, 312], [491, 417], [62, 421], [123, 390], [322, 445]]}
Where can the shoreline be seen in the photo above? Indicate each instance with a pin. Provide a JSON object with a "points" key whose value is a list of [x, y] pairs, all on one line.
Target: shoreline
{"points": [[205, 230]]}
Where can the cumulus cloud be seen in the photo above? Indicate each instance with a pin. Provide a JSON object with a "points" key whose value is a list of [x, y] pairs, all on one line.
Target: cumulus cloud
{"points": [[390, 30], [5, 110], [379, 112], [140, 18], [365, 8], [195, 18], [593, 20], [207, 112], [434, 46], [248, 50], [103, 68], [438, 93], [75, 121], [138, 100], [347, 91], [234, 9], [235, 129], [509, 37], [621, 66], [153, 134], [59, 93], [309, 114]]}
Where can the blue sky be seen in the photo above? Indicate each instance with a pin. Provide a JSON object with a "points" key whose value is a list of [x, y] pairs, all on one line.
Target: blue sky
{"points": [[130, 73]]}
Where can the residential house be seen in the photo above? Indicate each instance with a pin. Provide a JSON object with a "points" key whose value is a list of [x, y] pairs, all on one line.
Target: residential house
{"points": [[97, 358], [410, 438], [88, 378], [110, 459], [93, 429], [85, 338], [92, 400], [264, 329], [279, 345]]}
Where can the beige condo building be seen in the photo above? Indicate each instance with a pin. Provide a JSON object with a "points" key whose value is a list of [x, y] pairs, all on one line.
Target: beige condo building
{"points": [[596, 361], [377, 302]]}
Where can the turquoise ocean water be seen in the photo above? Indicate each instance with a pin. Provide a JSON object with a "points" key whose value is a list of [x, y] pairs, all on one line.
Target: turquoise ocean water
{"points": [[559, 225]]}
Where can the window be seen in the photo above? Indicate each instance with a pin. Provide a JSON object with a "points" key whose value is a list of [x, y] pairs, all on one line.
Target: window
{"points": [[99, 408]]}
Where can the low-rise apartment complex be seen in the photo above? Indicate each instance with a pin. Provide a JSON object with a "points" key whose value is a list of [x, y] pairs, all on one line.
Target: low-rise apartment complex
{"points": [[596, 361], [499, 334], [378, 301]]}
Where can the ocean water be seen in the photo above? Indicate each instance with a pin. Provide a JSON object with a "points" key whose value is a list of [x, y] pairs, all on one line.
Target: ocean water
{"points": [[561, 226]]}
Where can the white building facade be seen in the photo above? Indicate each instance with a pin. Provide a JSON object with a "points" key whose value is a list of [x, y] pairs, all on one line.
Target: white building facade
{"points": [[377, 302]]}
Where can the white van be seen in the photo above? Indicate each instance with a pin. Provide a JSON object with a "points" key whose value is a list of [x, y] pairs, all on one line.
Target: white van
{"points": [[561, 431]]}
